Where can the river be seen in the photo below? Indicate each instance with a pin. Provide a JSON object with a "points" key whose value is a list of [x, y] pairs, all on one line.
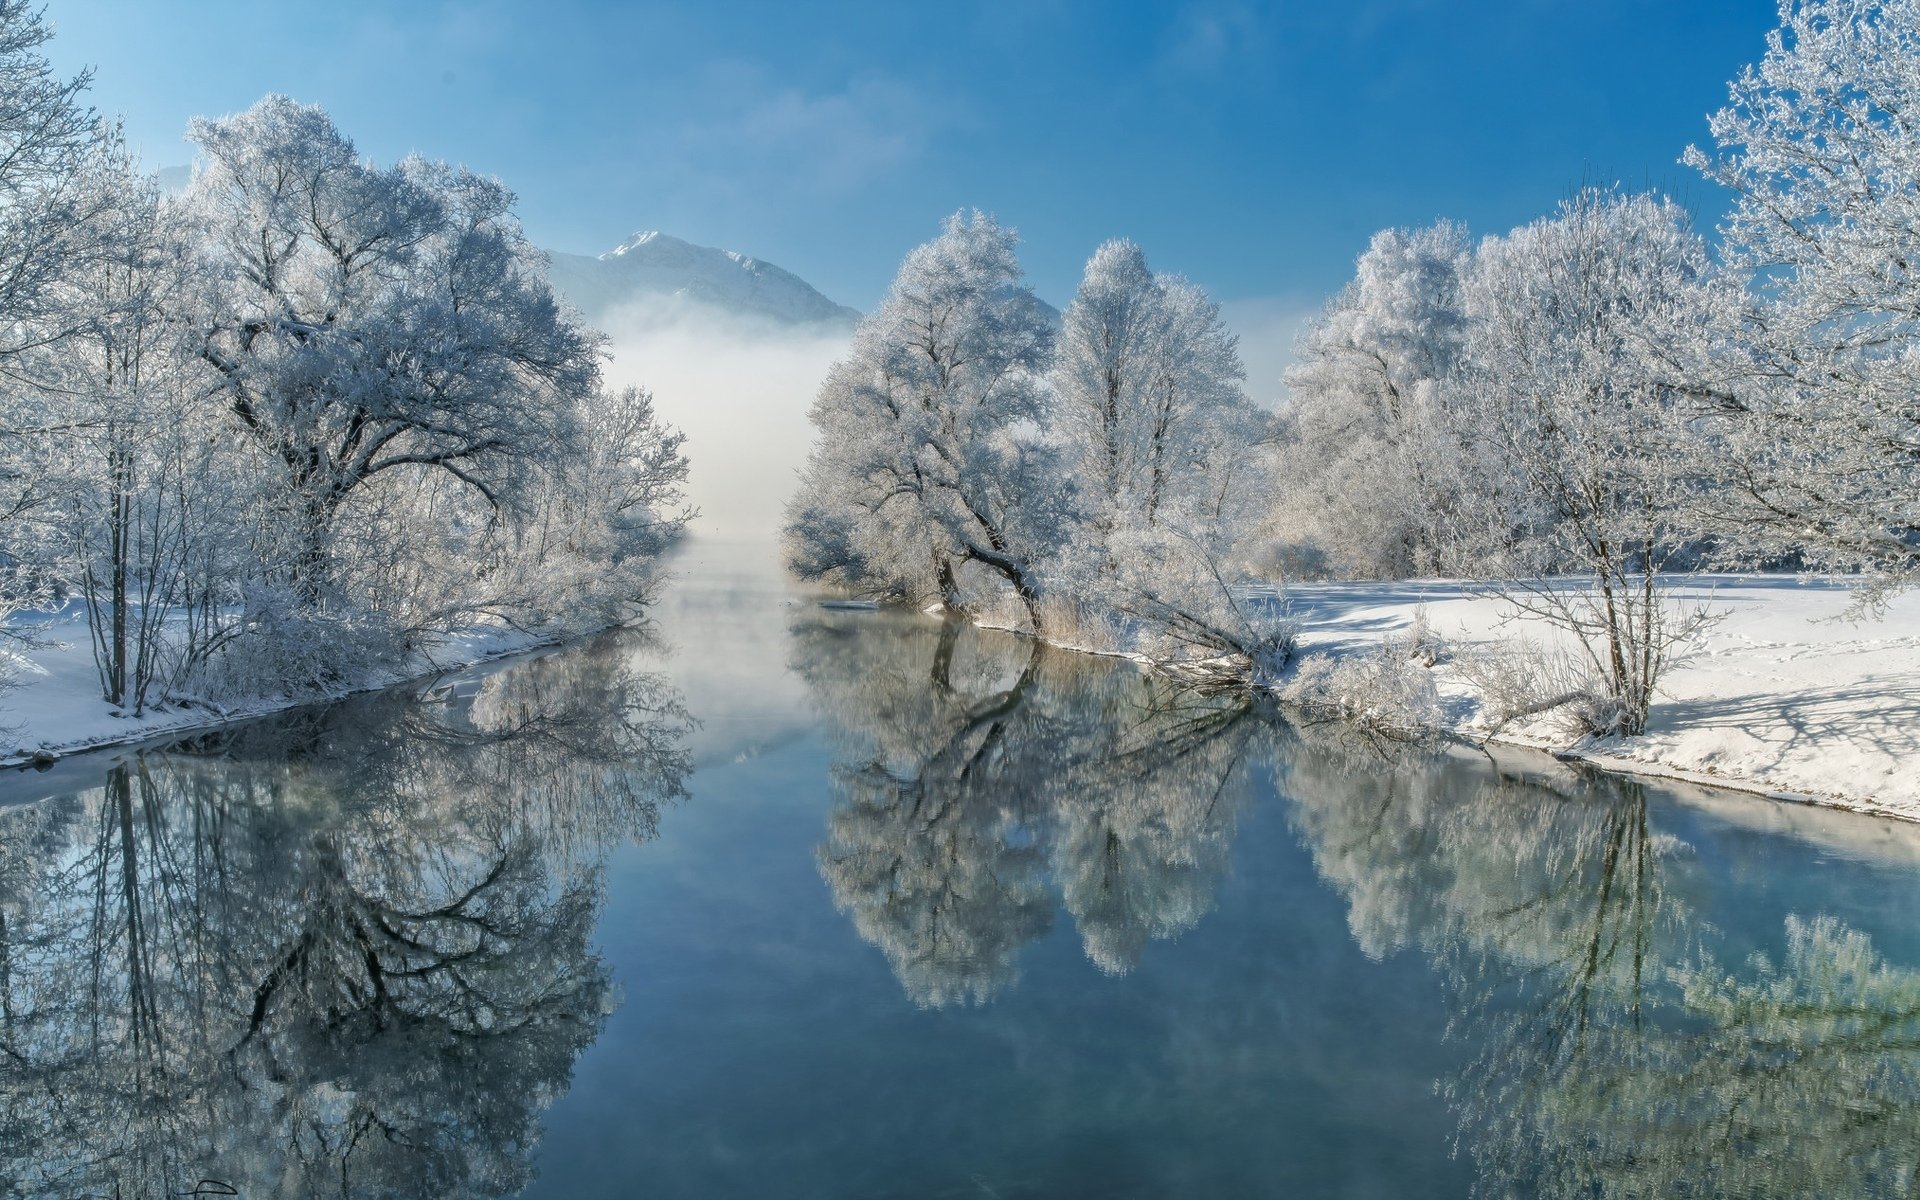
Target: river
{"points": [[780, 901]]}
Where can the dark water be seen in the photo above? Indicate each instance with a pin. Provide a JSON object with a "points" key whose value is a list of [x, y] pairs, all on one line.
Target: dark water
{"points": [[787, 902]]}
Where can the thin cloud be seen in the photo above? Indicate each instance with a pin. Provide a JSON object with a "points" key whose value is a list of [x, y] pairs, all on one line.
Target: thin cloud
{"points": [[1205, 38], [758, 134]]}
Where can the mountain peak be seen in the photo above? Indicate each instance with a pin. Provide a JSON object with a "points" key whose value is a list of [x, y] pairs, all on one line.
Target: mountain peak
{"points": [[651, 267], [646, 237]]}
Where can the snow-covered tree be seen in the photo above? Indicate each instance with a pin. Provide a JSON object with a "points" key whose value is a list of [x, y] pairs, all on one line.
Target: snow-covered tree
{"points": [[1369, 470], [1150, 409], [1162, 450], [47, 137], [1820, 147], [1109, 340], [926, 480], [596, 522], [274, 430], [1575, 322], [368, 322], [1200, 428], [146, 504]]}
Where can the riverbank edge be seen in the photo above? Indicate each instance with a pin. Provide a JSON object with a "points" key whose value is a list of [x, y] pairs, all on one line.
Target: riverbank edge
{"points": [[197, 721], [1612, 764]]}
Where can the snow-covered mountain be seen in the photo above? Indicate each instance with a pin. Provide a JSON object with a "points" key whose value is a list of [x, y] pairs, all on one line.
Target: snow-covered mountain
{"points": [[653, 266]]}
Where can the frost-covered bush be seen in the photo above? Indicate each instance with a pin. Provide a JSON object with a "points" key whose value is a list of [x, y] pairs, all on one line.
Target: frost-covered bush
{"points": [[279, 647], [1520, 681], [1420, 642], [1387, 687], [1084, 624]]}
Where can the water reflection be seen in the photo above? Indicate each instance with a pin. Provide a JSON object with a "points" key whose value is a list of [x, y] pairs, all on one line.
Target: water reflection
{"points": [[981, 784], [1618, 1050], [352, 952], [1613, 1040], [344, 953]]}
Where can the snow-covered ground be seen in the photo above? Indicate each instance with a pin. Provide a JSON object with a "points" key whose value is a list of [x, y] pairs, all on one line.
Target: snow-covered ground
{"points": [[1785, 695], [55, 707]]}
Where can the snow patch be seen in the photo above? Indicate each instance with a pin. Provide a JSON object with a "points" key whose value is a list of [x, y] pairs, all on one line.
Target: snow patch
{"points": [[55, 708], [1786, 696]]}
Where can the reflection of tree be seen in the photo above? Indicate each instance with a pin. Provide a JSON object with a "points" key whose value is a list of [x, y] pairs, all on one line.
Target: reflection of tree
{"points": [[1615, 1056], [1144, 823], [931, 852], [344, 953], [970, 764], [1798, 1079], [1433, 851]]}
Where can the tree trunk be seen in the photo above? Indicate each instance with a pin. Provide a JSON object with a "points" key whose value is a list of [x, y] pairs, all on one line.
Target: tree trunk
{"points": [[118, 537], [313, 563], [949, 586]]}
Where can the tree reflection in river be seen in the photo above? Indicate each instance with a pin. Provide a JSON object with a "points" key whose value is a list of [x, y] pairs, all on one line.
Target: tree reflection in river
{"points": [[982, 783], [1798, 1078], [976, 774], [1617, 1056], [343, 953]]}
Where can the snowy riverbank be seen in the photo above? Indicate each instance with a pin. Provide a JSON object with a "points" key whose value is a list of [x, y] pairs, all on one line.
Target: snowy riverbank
{"points": [[55, 709], [1783, 696]]}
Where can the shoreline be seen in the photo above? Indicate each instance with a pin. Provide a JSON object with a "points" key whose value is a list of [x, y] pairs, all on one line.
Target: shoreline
{"points": [[488, 647], [1351, 618], [48, 757]]}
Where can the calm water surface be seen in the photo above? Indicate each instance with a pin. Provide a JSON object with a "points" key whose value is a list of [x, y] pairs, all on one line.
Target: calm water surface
{"points": [[789, 902]]}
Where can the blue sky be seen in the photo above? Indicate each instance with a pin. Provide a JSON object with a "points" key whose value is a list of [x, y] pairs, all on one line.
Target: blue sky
{"points": [[1252, 147]]}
